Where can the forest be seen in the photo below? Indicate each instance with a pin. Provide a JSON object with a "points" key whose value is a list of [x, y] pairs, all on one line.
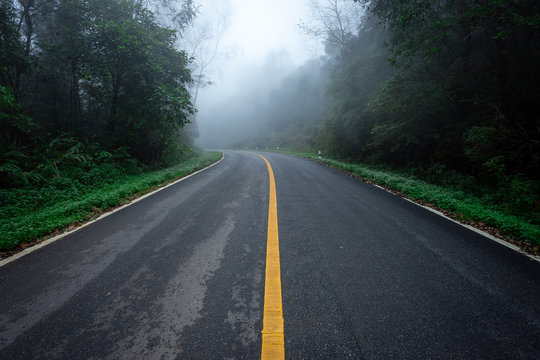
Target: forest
{"points": [[95, 97], [89, 81], [424, 83], [444, 90]]}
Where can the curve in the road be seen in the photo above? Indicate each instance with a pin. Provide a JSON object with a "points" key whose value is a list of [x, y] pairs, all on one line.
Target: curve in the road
{"points": [[181, 274]]}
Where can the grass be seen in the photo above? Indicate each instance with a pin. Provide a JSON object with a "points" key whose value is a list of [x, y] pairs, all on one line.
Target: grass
{"points": [[31, 213], [458, 204]]}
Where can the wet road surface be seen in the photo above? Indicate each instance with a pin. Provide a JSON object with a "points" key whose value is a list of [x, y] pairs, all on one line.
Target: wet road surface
{"points": [[180, 274]]}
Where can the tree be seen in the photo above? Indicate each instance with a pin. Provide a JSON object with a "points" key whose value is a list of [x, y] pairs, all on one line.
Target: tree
{"points": [[202, 41], [334, 22], [12, 57], [97, 69], [355, 77], [139, 75], [456, 77], [175, 14]]}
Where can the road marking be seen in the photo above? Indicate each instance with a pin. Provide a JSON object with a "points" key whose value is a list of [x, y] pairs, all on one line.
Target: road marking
{"points": [[478, 231], [58, 237], [472, 228], [273, 343]]}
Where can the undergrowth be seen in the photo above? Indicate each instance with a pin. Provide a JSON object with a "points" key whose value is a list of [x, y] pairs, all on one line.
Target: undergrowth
{"points": [[34, 211]]}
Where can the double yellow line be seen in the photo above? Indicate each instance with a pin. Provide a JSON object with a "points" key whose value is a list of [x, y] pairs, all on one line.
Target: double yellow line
{"points": [[273, 343]]}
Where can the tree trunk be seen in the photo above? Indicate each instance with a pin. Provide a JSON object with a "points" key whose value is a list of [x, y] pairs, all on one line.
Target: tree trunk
{"points": [[114, 107], [27, 17], [74, 96]]}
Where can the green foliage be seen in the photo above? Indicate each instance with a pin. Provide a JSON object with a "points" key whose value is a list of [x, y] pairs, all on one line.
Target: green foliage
{"points": [[480, 143], [94, 69], [11, 117], [36, 210], [459, 105], [12, 57], [89, 92], [464, 94]]}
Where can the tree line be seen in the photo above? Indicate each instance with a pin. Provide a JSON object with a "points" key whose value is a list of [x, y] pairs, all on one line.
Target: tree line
{"points": [[443, 87], [88, 79], [465, 87]]}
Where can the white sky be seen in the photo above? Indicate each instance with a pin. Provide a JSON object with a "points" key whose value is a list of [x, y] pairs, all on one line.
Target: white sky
{"points": [[259, 26], [256, 29]]}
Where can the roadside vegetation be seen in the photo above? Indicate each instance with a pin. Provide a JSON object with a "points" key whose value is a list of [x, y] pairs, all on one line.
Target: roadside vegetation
{"points": [[82, 192], [440, 92], [94, 99], [503, 212]]}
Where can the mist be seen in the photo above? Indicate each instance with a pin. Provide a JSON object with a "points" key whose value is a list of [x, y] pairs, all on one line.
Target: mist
{"points": [[234, 113], [262, 46]]}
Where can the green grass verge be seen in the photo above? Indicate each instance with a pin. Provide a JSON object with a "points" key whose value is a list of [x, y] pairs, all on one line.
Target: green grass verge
{"points": [[27, 214], [458, 204]]}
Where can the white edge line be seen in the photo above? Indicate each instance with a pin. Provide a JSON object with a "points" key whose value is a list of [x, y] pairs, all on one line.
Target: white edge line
{"points": [[60, 236], [478, 231]]}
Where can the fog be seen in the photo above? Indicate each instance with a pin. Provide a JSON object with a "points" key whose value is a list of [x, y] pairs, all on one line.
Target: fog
{"points": [[261, 45]]}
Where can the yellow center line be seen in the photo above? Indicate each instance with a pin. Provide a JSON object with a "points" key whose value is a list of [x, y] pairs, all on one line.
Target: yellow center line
{"points": [[273, 343]]}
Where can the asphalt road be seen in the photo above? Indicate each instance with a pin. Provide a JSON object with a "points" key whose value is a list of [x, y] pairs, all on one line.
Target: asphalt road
{"points": [[180, 274]]}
